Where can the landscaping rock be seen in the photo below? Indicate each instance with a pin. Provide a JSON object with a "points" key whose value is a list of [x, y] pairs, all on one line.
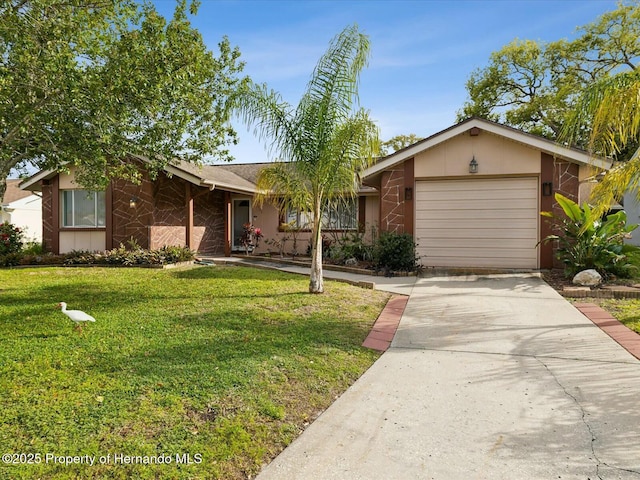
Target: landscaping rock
{"points": [[590, 278], [351, 262]]}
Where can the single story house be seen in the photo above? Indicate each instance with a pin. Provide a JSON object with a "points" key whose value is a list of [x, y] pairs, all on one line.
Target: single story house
{"points": [[22, 209], [202, 207], [471, 196]]}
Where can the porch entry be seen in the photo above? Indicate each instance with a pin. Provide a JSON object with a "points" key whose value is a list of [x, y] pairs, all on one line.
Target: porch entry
{"points": [[240, 214]]}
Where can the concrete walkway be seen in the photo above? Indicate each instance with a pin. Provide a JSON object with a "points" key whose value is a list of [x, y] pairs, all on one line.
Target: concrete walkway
{"points": [[494, 377]]}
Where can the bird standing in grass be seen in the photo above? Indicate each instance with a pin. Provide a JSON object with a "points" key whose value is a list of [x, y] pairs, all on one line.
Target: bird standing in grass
{"points": [[77, 316]]}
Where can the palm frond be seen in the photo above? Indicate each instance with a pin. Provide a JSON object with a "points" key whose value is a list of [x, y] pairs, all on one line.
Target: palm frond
{"points": [[269, 115], [610, 111]]}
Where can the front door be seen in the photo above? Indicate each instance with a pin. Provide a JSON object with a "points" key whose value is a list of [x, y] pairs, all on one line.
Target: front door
{"points": [[241, 214]]}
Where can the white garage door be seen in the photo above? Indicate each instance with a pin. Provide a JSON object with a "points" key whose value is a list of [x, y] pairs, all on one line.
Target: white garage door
{"points": [[478, 222]]}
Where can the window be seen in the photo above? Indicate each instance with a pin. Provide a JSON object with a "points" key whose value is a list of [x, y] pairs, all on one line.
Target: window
{"points": [[81, 208], [341, 215]]}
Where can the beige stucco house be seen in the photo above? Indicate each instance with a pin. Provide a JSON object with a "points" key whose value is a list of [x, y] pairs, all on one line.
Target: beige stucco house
{"points": [[471, 196]]}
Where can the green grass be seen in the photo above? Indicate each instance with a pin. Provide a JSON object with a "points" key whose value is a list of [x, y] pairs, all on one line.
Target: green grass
{"points": [[627, 311], [229, 363]]}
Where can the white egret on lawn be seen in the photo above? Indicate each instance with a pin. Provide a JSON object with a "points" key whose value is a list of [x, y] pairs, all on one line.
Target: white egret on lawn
{"points": [[78, 316]]}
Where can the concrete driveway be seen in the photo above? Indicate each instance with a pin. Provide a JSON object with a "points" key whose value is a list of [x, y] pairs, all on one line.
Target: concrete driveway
{"points": [[494, 377]]}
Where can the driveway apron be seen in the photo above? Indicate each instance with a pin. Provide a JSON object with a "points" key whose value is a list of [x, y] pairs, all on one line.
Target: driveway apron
{"points": [[488, 377]]}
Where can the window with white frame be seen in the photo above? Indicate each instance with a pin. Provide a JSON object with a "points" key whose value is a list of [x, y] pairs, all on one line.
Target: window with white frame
{"points": [[83, 208], [342, 215]]}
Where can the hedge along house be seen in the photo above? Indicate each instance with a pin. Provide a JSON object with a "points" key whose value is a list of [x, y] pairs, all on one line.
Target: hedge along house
{"points": [[471, 195], [202, 207]]}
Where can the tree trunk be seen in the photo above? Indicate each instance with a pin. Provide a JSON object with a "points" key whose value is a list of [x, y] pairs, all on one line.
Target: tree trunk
{"points": [[3, 188], [316, 283], [3, 183]]}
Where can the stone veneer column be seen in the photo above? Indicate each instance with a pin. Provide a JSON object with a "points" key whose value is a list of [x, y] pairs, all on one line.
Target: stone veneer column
{"points": [[47, 216], [392, 201], [565, 182]]}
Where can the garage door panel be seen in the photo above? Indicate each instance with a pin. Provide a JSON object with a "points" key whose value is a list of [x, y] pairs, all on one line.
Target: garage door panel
{"points": [[478, 222], [472, 244], [514, 223], [481, 262], [496, 253], [476, 204], [467, 214], [506, 195], [480, 184]]}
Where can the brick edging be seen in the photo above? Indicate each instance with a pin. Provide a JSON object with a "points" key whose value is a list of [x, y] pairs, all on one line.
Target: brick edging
{"points": [[618, 294], [627, 338], [384, 329]]}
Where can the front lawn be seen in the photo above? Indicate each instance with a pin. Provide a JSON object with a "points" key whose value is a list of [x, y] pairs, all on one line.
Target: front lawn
{"points": [[211, 370], [627, 311]]}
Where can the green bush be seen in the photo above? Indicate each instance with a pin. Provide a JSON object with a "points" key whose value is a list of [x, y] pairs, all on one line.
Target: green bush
{"points": [[133, 256], [395, 252], [352, 245], [33, 248], [11, 240], [586, 241]]}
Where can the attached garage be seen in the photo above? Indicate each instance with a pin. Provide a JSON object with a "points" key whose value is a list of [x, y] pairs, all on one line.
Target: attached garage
{"points": [[471, 195], [478, 222]]}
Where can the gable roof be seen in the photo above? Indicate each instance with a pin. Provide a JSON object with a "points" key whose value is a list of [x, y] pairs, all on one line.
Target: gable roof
{"points": [[234, 178], [13, 192], [545, 145]]}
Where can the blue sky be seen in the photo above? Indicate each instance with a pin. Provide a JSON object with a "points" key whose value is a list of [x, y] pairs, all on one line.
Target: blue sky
{"points": [[422, 51]]}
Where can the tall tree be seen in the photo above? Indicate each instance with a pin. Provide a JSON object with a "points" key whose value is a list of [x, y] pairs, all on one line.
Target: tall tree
{"points": [[534, 85], [86, 82], [398, 143], [323, 144], [609, 110]]}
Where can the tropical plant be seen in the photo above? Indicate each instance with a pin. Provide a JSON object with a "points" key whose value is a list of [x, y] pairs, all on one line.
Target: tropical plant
{"points": [[250, 238], [323, 144], [585, 240], [610, 111]]}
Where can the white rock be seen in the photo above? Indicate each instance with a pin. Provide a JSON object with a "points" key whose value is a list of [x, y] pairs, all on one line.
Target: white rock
{"points": [[589, 278], [351, 262]]}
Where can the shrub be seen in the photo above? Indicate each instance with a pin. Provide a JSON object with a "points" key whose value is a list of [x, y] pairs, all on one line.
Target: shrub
{"points": [[395, 251], [352, 245], [11, 240], [129, 257], [33, 248], [586, 241]]}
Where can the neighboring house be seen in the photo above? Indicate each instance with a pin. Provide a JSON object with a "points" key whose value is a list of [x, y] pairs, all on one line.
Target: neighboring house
{"points": [[204, 208], [22, 209], [459, 217], [471, 195], [632, 209]]}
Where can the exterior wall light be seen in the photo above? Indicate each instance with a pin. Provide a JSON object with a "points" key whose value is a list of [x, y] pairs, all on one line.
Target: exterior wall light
{"points": [[133, 202], [473, 165]]}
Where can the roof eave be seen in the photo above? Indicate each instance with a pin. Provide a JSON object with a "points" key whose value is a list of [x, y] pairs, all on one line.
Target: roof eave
{"points": [[547, 146]]}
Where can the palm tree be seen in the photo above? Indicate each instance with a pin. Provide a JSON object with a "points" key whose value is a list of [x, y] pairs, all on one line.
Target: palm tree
{"points": [[323, 145], [610, 111]]}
